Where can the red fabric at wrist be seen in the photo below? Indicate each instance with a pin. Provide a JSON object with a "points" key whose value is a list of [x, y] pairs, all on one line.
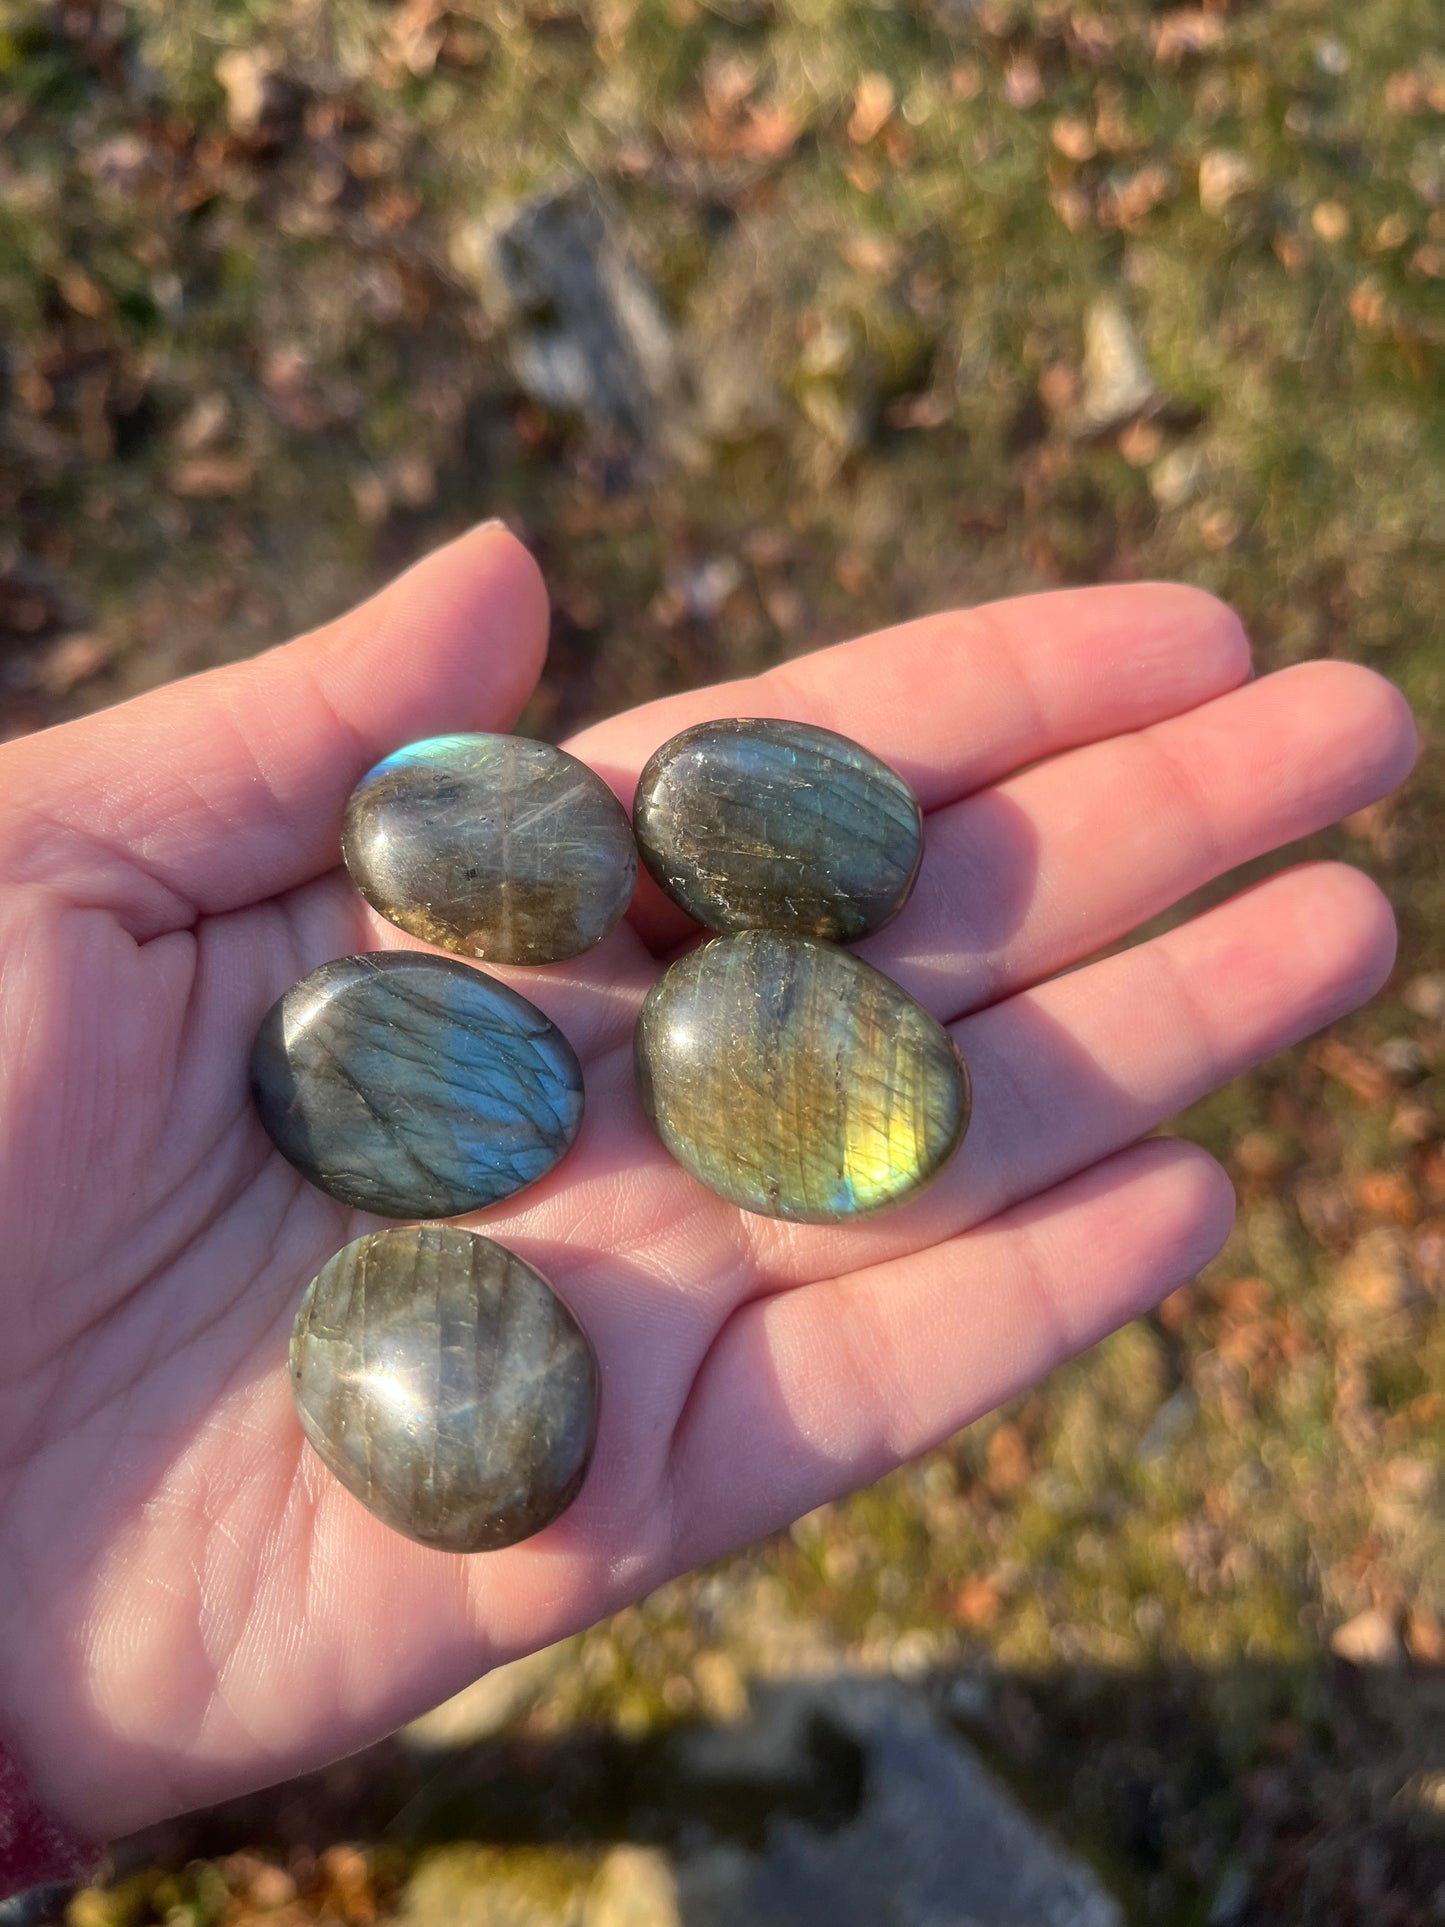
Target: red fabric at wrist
{"points": [[33, 1847]]}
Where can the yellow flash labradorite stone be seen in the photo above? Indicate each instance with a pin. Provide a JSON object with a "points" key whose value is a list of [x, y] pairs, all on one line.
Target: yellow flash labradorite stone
{"points": [[796, 1081], [757, 824]]}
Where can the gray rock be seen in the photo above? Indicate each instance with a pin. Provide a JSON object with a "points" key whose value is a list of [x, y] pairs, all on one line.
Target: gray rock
{"points": [[1178, 476], [635, 1887], [1117, 383], [585, 328], [1426, 995], [473, 1886], [43, 1906], [937, 1841]]}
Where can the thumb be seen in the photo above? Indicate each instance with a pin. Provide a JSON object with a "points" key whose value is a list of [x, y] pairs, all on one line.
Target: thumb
{"points": [[229, 787]]}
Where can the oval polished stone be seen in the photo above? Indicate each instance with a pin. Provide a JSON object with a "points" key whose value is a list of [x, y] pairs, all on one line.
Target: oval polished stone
{"points": [[795, 1080], [495, 846], [771, 825], [446, 1385], [414, 1087]]}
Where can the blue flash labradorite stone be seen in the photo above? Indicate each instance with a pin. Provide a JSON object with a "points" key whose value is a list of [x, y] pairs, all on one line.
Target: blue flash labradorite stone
{"points": [[771, 825], [494, 846], [795, 1080], [413, 1086], [446, 1385]]}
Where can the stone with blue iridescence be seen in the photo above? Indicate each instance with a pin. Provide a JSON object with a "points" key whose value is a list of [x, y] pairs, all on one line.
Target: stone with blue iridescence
{"points": [[759, 824], [446, 1385], [795, 1080], [494, 846], [413, 1086]]}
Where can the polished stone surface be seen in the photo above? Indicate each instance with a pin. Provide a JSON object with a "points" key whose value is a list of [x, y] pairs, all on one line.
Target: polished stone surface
{"points": [[446, 1385], [413, 1086], [795, 1080], [494, 846], [756, 824]]}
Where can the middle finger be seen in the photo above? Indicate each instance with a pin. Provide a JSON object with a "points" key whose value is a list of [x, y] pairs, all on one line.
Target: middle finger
{"points": [[1034, 875]]}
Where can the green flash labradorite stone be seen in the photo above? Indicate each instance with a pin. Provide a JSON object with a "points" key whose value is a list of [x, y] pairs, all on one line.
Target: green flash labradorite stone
{"points": [[795, 1080], [771, 825], [446, 1385], [495, 846], [413, 1086]]}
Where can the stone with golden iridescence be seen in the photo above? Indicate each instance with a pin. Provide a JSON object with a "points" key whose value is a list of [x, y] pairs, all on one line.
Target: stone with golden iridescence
{"points": [[795, 1080], [446, 1385], [753, 823]]}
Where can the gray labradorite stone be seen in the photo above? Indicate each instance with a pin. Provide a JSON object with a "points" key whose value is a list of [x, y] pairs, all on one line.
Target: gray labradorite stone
{"points": [[446, 1385], [413, 1086], [780, 826], [795, 1080], [494, 846]]}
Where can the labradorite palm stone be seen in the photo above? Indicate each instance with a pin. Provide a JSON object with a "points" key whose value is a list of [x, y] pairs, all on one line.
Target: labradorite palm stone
{"points": [[795, 1080], [494, 846], [413, 1086], [771, 825], [446, 1385]]}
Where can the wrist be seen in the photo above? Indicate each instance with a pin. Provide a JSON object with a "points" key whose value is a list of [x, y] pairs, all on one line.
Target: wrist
{"points": [[34, 1846]]}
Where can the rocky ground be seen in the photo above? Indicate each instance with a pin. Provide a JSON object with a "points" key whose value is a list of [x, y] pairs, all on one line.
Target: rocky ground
{"points": [[765, 323]]}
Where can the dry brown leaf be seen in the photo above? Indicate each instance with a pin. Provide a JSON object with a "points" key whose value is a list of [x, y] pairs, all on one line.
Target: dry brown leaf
{"points": [[977, 1602], [1427, 1254], [1393, 232], [83, 293], [1140, 443], [1387, 1194], [254, 90], [203, 424], [1425, 1637], [1127, 204], [872, 255], [204, 477], [417, 31], [872, 108], [1178, 1311], [1224, 175], [768, 132], [1369, 308], [1059, 388], [1023, 84], [1330, 221], [1073, 208], [1405, 92], [394, 207], [1291, 253], [965, 81], [1360, 1076], [1010, 1464], [1369, 1639], [1187, 30], [727, 83], [1074, 138], [72, 661]]}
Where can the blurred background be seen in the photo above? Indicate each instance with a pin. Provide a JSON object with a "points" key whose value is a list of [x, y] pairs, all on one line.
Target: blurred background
{"points": [[765, 323]]}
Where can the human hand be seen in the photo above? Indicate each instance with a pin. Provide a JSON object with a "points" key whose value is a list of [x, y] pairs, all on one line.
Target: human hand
{"points": [[189, 1604]]}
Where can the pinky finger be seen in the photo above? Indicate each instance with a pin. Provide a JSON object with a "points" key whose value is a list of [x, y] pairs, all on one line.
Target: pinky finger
{"points": [[810, 1393]]}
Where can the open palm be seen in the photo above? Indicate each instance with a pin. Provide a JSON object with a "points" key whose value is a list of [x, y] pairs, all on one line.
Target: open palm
{"points": [[189, 1605]]}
